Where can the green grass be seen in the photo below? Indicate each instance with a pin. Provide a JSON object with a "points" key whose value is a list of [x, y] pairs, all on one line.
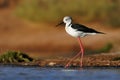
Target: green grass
{"points": [[106, 11], [13, 56], [105, 49]]}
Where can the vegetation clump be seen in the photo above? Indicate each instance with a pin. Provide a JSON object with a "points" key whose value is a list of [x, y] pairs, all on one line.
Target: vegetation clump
{"points": [[105, 48], [14, 57], [116, 58]]}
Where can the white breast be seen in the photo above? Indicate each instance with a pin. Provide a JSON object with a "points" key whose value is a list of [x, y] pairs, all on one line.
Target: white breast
{"points": [[74, 32]]}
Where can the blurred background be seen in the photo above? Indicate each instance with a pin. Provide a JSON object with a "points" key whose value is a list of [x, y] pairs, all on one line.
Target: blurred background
{"points": [[30, 26]]}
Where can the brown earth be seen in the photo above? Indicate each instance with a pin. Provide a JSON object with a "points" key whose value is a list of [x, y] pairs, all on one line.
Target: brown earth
{"points": [[44, 39], [101, 60]]}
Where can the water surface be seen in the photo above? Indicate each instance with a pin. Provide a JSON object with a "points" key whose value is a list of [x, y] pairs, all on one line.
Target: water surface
{"points": [[37, 73]]}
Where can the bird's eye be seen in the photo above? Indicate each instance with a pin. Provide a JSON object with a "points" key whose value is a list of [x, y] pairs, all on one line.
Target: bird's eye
{"points": [[67, 19]]}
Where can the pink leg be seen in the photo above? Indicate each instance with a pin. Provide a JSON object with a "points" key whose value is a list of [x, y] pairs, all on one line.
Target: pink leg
{"points": [[82, 51], [72, 59]]}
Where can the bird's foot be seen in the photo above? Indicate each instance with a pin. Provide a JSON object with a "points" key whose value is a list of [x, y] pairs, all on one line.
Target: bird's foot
{"points": [[66, 66]]}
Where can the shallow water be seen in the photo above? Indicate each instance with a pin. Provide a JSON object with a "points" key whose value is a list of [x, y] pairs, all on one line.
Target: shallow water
{"points": [[37, 73]]}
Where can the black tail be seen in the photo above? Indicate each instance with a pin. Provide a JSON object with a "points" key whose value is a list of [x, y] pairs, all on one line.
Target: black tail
{"points": [[100, 32]]}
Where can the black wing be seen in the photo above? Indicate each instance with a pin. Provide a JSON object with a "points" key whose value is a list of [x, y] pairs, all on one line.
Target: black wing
{"points": [[80, 27]]}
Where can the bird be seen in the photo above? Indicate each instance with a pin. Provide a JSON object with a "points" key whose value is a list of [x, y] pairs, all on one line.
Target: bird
{"points": [[78, 31]]}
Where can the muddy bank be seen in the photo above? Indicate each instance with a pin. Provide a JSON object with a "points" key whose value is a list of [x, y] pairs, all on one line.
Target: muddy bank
{"points": [[89, 60], [101, 60]]}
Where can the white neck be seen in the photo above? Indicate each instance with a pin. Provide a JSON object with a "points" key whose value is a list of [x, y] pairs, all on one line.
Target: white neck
{"points": [[68, 24]]}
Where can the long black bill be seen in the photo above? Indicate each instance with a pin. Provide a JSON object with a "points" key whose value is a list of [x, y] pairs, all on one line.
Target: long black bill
{"points": [[60, 24]]}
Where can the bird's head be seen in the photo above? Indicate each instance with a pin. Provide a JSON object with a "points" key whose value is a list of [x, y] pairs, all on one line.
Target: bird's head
{"points": [[66, 20]]}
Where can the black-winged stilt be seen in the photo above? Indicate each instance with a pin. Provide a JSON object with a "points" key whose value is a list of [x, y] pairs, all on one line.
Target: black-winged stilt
{"points": [[78, 31]]}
